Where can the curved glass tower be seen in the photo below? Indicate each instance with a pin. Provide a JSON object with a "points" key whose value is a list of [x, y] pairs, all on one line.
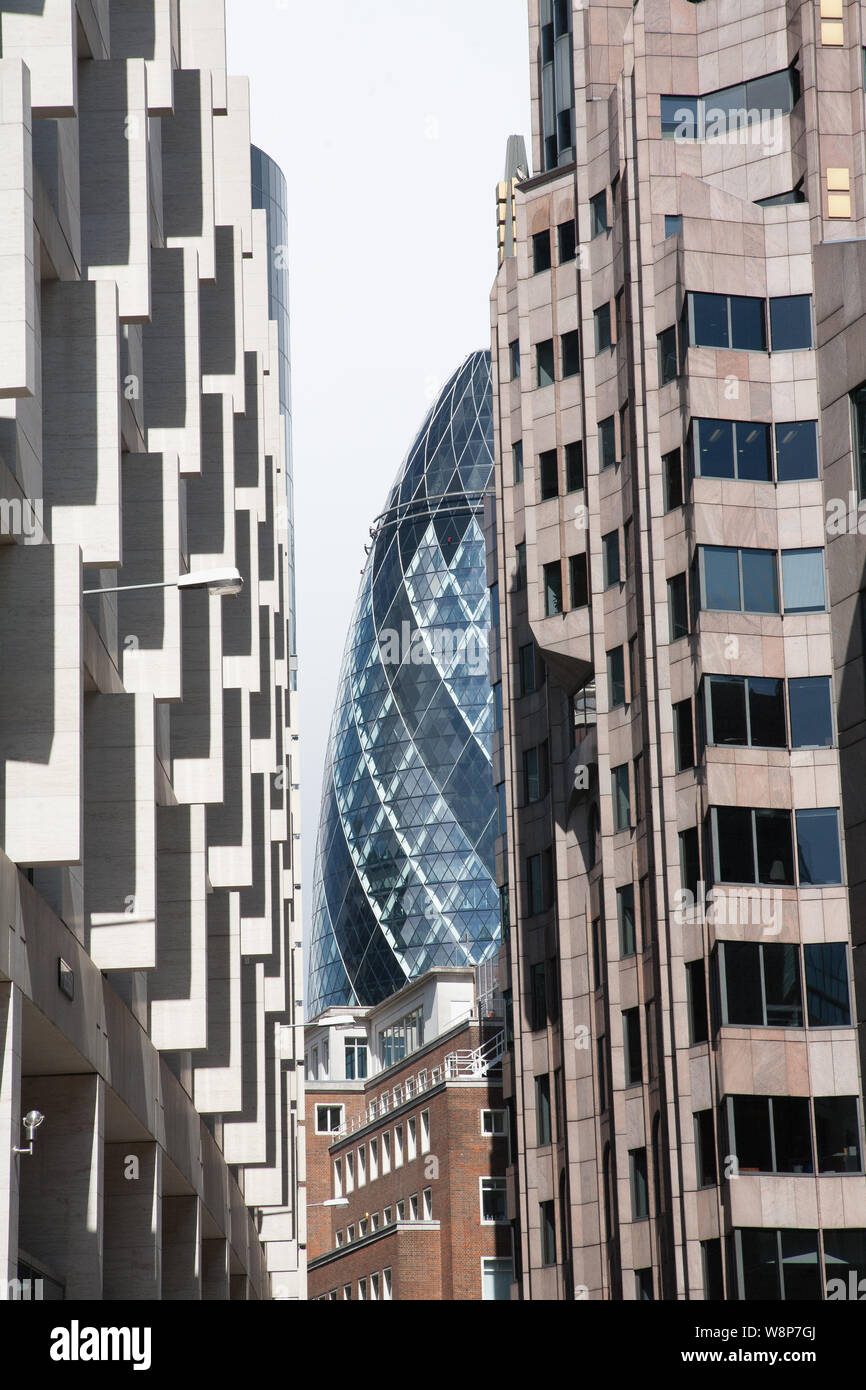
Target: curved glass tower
{"points": [[405, 858]]}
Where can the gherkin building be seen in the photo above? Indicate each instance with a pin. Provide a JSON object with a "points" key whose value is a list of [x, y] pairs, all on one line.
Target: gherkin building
{"points": [[405, 857]]}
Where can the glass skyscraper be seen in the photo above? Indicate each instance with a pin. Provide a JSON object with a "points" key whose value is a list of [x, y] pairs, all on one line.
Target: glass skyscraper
{"points": [[405, 859]]}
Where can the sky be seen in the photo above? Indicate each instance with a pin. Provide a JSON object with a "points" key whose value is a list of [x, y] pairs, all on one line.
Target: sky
{"points": [[389, 119]]}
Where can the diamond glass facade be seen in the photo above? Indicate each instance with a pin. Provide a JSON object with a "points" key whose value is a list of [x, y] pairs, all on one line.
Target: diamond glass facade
{"points": [[405, 858]]}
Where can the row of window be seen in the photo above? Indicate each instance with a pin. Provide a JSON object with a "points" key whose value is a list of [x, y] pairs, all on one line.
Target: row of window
{"points": [[497, 1274], [402, 1038], [778, 1134], [370, 1223], [747, 451], [735, 579], [764, 846], [735, 321], [545, 358], [744, 712], [355, 1056], [730, 110], [542, 247], [351, 1169], [374, 1288], [762, 984]]}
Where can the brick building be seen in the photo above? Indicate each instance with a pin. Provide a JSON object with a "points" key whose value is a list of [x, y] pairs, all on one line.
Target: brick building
{"points": [[408, 1143]]}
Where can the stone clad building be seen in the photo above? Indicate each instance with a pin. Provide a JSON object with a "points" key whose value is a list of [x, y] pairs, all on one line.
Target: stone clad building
{"points": [[150, 987], [679, 364]]}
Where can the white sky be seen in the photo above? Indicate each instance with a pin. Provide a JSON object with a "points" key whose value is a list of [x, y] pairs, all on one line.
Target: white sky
{"points": [[389, 119]]}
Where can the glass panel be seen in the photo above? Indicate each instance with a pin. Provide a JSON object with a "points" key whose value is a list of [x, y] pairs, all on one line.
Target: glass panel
{"points": [[574, 466], [678, 607], [827, 985], [567, 242], [837, 1128], [633, 1057], [761, 1273], [733, 831], [673, 224], [728, 710], [775, 93], [753, 452], [610, 544], [616, 676], [541, 257], [639, 1184], [603, 338], [714, 453], [667, 355], [792, 1132], [607, 442], [811, 712], [760, 581], [625, 909], [782, 986], [598, 214], [721, 578], [748, 330], [844, 1255], [803, 581], [619, 788], [751, 1138], [800, 1266], [796, 451], [679, 118], [549, 471], [544, 355], [571, 354], [791, 322], [710, 320], [673, 474], [858, 430], [819, 856], [743, 981], [767, 712]]}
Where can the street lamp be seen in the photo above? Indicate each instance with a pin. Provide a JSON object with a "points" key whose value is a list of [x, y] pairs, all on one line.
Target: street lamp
{"points": [[331, 1202], [222, 582]]}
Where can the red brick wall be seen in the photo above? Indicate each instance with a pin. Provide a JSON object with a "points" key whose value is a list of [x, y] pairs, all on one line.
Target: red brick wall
{"points": [[412, 1256], [320, 1223]]}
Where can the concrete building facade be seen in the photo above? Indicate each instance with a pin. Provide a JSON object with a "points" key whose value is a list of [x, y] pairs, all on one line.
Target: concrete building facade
{"points": [[150, 978], [679, 359], [407, 1147]]}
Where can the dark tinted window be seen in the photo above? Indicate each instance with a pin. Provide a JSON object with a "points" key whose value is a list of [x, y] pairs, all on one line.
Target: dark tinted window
{"points": [[541, 258], [571, 354], [548, 467], [553, 589], [625, 913], [578, 582], [607, 442], [684, 737], [775, 850], [610, 550], [791, 322], [837, 1130], [710, 320], [616, 677], [744, 997], [667, 354], [678, 607], [574, 466], [567, 242], [811, 712], [672, 466], [796, 451], [727, 697], [735, 861], [603, 335], [760, 581], [819, 854], [767, 712], [748, 329], [544, 359], [827, 999], [697, 993], [633, 1054], [784, 1002]]}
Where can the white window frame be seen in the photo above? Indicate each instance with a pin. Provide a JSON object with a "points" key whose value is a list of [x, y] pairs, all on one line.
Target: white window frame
{"points": [[427, 1203], [350, 1173], [411, 1138], [425, 1131], [350, 1234], [362, 1165], [374, 1288], [501, 1186], [347, 1293], [398, 1146], [401, 1210], [341, 1110], [362, 1290], [413, 1207], [495, 1259], [386, 1285], [338, 1177], [387, 1216], [374, 1159], [386, 1152]]}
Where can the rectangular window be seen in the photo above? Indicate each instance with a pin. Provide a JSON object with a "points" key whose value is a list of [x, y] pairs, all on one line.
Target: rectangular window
{"points": [[535, 885], [601, 1063], [752, 846], [548, 473], [711, 1260], [567, 242], [705, 1148], [413, 1207], [520, 551], [667, 355], [578, 581], [696, 981], [639, 1183], [607, 442], [538, 986], [425, 1131], [690, 860], [547, 1215], [858, 438], [535, 773], [639, 802], [518, 461], [427, 1203], [621, 800], [819, 853], [745, 710], [803, 581], [810, 704], [386, 1152], [398, 1146], [531, 670], [571, 354], [610, 551], [356, 1059], [678, 607], [411, 1138], [329, 1118], [628, 546], [632, 1044], [401, 1211], [514, 357], [374, 1159], [574, 466], [731, 449], [598, 214], [827, 995], [760, 985], [350, 1173], [542, 1110], [791, 322], [619, 315], [673, 224], [738, 581], [494, 1206], [727, 321], [553, 589], [497, 1274], [362, 1165], [616, 677], [796, 451], [603, 334], [672, 469], [625, 914], [544, 362], [541, 257], [837, 1131], [684, 735], [338, 1177]]}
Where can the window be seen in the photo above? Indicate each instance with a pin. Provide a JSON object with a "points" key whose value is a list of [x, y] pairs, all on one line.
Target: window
{"points": [[531, 670], [827, 1001], [518, 461], [350, 1234], [544, 362], [667, 355], [696, 982], [711, 1259], [535, 773], [597, 953], [610, 549], [571, 354], [684, 736], [778, 200], [574, 466], [673, 224], [760, 984], [620, 794], [632, 1042], [738, 581], [386, 1285], [726, 321], [398, 1147], [705, 1148], [678, 607], [427, 1203], [387, 1216], [411, 1138], [520, 578], [356, 1059], [362, 1228], [819, 856], [413, 1207], [791, 322], [731, 449], [329, 1118], [639, 1184], [425, 1131], [347, 1292], [552, 589], [837, 1133], [752, 846], [770, 1134], [803, 581], [598, 214], [542, 1110], [628, 546], [796, 450], [496, 1279], [603, 334], [731, 110], [350, 1173], [690, 860], [639, 803], [338, 1177], [362, 1165], [607, 442], [567, 242], [619, 315], [672, 470], [548, 473], [386, 1152], [625, 915], [514, 357], [578, 581], [401, 1211], [601, 1061], [539, 882], [745, 711], [362, 1289], [811, 711], [858, 437], [493, 1200], [547, 1214], [541, 257], [616, 677], [643, 1285], [402, 1038]]}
